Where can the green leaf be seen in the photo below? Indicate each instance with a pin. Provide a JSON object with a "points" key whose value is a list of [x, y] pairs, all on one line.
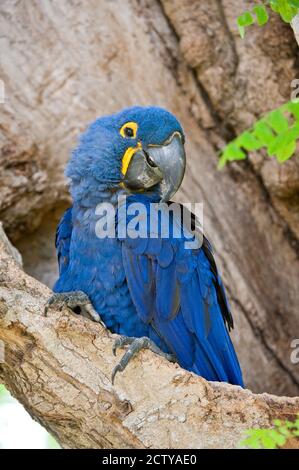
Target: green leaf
{"points": [[278, 144], [292, 133], [241, 31], [277, 422], [272, 438], [286, 8], [287, 15], [222, 162], [284, 431], [252, 442], [245, 19], [286, 152], [274, 6], [263, 132], [277, 132], [233, 152], [261, 14], [267, 442], [248, 141], [263, 438], [294, 109], [278, 439], [289, 424], [286, 140], [277, 121]]}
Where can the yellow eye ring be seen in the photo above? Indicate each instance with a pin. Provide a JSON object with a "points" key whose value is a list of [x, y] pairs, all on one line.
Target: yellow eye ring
{"points": [[129, 130]]}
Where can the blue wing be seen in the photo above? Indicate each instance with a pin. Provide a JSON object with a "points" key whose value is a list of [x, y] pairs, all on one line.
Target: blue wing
{"points": [[63, 240], [179, 292]]}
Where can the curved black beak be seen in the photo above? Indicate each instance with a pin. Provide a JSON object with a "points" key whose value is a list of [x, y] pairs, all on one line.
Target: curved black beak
{"points": [[153, 164]]}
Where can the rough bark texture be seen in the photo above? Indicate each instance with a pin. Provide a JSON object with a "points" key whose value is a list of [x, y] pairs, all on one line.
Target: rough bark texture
{"points": [[66, 62], [59, 367]]}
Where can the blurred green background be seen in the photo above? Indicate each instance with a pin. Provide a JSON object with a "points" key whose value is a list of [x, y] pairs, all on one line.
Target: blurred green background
{"points": [[17, 429]]}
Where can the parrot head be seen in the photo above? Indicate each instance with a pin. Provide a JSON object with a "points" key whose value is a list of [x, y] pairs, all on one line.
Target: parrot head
{"points": [[139, 149]]}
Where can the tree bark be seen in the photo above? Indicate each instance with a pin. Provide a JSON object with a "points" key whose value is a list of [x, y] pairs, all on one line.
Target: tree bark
{"points": [[66, 62], [59, 366]]}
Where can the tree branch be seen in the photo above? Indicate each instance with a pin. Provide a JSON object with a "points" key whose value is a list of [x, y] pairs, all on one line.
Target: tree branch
{"points": [[59, 368]]}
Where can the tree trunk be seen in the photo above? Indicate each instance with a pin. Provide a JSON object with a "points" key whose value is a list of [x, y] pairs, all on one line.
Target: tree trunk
{"points": [[64, 63], [59, 366]]}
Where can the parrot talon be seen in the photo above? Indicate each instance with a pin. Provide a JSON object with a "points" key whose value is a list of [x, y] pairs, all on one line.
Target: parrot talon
{"points": [[136, 345], [75, 300], [122, 341]]}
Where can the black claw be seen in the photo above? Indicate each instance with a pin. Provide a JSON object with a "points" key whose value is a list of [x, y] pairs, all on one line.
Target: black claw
{"points": [[50, 301], [73, 300], [135, 345], [116, 369]]}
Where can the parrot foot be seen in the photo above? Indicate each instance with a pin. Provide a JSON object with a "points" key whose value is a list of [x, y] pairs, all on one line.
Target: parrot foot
{"points": [[135, 345], [77, 301]]}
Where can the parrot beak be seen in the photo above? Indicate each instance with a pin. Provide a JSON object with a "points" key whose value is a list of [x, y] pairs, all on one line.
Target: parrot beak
{"points": [[153, 164]]}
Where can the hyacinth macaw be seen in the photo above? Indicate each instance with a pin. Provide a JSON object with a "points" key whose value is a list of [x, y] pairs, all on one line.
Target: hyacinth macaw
{"points": [[152, 290]]}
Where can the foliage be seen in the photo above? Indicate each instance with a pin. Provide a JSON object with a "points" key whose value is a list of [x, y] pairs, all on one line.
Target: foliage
{"points": [[272, 438], [277, 132], [4, 395], [287, 9]]}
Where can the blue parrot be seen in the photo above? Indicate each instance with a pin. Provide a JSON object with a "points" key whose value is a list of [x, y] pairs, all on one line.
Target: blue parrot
{"points": [[153, 290]]}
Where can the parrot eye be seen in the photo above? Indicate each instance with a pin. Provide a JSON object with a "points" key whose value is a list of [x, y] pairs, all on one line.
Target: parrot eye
{"points": [[129, 130]]}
